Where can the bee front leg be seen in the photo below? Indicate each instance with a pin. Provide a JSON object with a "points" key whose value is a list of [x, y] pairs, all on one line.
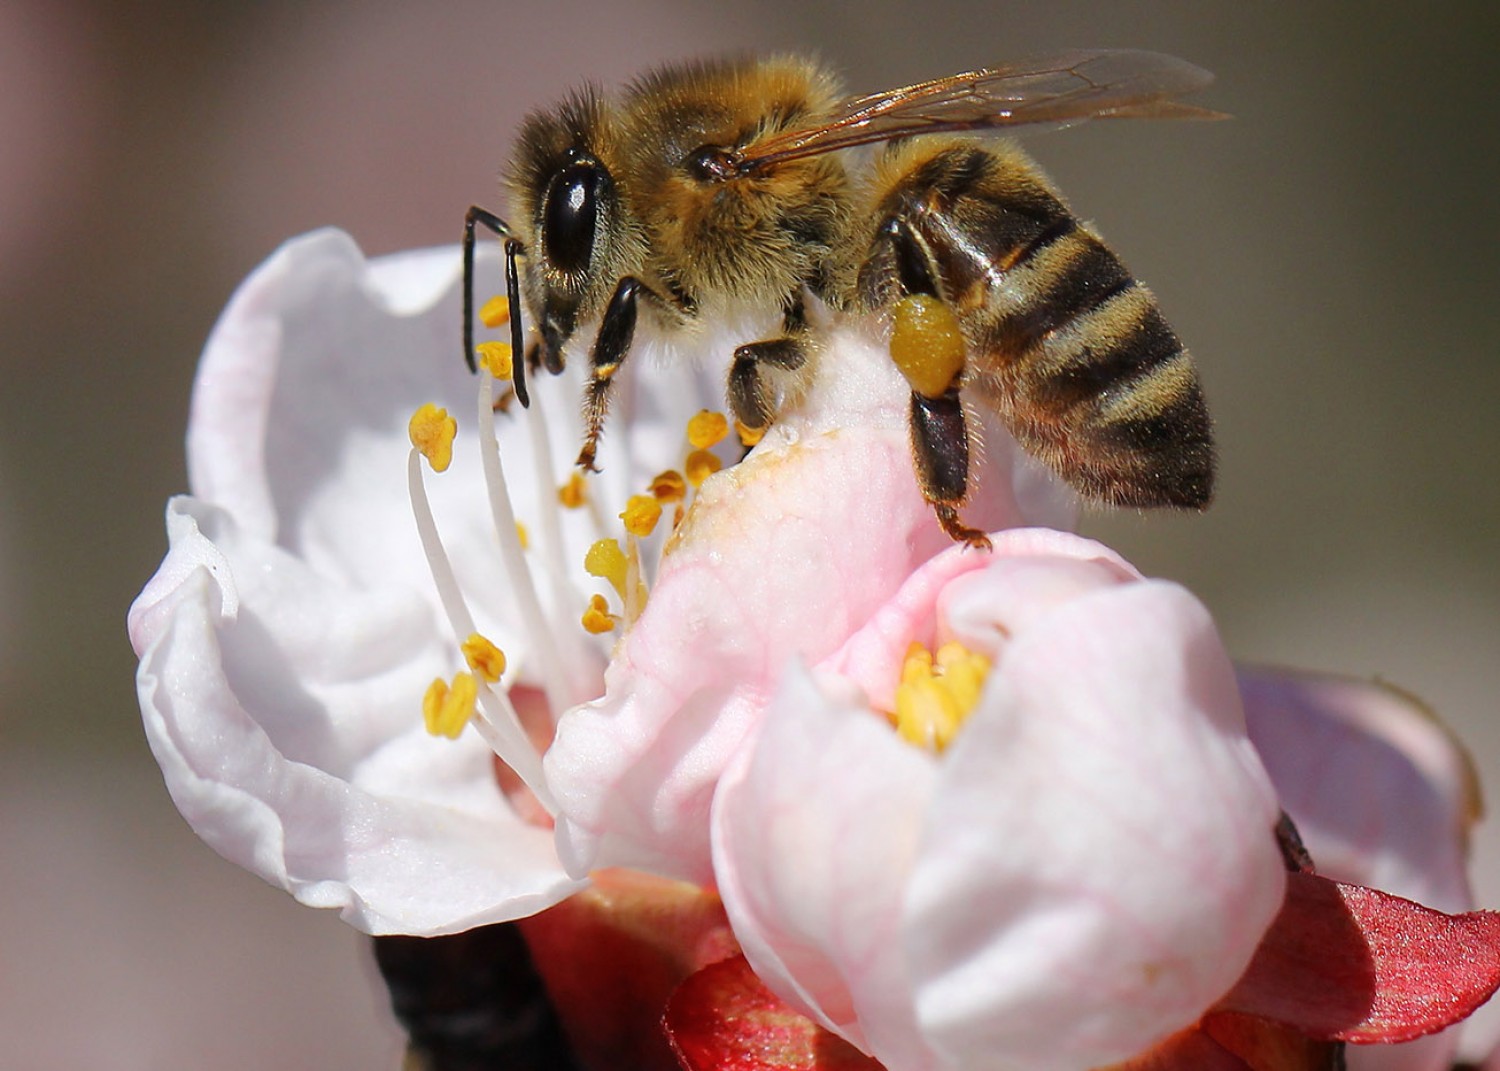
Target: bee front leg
{"points": [[616, 331], [940, 448], [750, 396]]}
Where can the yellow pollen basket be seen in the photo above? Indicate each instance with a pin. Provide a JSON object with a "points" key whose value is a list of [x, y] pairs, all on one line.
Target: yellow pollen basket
{"points": [[926, 344], [432, 430], [496, 359], [495, 312], [446, 710], [483, 657], [938, 693]]}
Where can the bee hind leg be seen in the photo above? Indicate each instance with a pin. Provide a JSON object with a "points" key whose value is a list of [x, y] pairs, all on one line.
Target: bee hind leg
{"points": [[940, 450]]}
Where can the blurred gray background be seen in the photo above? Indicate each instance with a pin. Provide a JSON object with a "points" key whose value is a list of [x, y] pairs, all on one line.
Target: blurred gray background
{"points": [[1329, 256]]}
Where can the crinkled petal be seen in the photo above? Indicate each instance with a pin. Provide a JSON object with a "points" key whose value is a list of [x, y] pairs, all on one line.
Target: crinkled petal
{"points": [[781, 557], [284, 709], [1098, 865]]}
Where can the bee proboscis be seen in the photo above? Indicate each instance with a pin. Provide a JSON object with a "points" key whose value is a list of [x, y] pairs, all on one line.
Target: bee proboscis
{"points": [[723, 184]]}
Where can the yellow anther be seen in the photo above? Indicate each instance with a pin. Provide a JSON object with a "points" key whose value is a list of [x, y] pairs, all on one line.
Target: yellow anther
{"points": [[700, 466], [641, 514], [936, 694], [748, 436], [573, 494], [446, 710], [606, 560], [926, 344], [522, 536], [963, 673], [495, 312], [927, 715], [483, 657], [669, 486], [917, 664], [597, 618], [432, 431], [707, 429], [495, 358]]}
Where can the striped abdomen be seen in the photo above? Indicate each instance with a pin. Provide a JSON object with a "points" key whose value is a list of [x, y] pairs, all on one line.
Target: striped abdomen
{"points": [[1063, 342]]}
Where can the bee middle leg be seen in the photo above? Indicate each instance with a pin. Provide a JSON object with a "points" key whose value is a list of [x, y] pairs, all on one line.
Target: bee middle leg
{"points": [[751, 398]]}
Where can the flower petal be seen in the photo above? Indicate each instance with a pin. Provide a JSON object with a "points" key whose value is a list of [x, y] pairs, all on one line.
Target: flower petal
{"points": [[815, 829], [283, 709], [781, 557], [1380, 791], [1041, 895], [1098, 865]]}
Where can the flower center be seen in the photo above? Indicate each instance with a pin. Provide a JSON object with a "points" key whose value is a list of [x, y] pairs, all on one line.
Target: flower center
{"points": [[937, 693], [557, 643]]}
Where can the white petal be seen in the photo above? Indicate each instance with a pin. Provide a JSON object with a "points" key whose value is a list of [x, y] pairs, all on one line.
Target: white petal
{"points": [[284, 710]]}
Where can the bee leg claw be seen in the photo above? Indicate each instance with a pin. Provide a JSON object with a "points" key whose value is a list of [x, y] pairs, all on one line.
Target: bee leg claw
{"points": [[959, 532]]}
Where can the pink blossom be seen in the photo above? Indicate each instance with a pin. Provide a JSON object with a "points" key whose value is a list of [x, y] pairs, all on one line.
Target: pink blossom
{"points": [[1086, 869], [1083, 872]]}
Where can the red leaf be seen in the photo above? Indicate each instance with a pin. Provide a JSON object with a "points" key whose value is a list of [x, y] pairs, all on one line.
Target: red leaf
{"points": [[724, 1019], [1345, 963]]}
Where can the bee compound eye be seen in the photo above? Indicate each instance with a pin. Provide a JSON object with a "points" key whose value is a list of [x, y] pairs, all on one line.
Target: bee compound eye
{"points": [[570, 215]]}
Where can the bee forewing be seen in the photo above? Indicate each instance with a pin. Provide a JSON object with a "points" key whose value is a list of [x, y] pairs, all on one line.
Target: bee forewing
{"points": [[1067, 89]]}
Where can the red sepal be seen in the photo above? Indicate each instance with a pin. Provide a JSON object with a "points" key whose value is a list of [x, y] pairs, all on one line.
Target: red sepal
{"points": [[1346, 963], [724, 1019]]}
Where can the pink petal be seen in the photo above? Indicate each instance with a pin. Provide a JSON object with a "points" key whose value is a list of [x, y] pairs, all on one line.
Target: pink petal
{"points": [[1098, 866], [1382, 794], [815, 831], [781, 557], [1379, 789]]}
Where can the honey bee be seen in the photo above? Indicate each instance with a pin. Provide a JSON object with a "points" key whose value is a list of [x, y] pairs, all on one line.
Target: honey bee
{"points": [[720, 185]]}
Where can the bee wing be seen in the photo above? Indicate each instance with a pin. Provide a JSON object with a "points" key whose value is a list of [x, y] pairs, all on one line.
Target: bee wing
{"points": [[1068, 88]]}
